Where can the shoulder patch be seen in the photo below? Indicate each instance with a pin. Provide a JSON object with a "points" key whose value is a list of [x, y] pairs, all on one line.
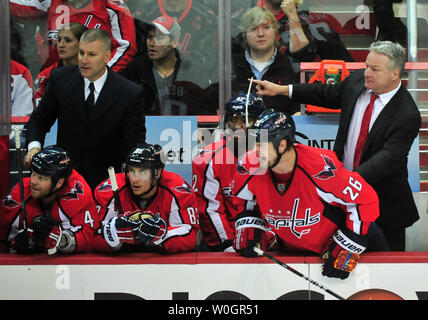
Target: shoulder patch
{"points": [[74, 193], [184, 188], [329, 169], [9, 202]]}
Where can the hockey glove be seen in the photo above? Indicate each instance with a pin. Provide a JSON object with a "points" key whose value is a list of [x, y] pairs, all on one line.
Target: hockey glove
{"points": [[46, 234], [343, 254], [123, 228], [251, 230], [23, 243], [152, 230]]}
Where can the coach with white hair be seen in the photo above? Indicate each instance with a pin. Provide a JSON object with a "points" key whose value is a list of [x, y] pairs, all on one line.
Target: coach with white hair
{"points": [[379, 121]]}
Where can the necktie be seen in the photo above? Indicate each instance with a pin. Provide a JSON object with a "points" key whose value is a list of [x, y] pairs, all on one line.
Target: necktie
{"points": [[90, 100], [364, 131]]}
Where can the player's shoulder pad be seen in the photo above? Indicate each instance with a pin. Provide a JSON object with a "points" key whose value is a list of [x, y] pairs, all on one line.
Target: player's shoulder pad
{"points": [[208, 152], [104, 191], [75, 188], [175, 183], [117, 3], [13, 199], [248, 164], [320, 164]]}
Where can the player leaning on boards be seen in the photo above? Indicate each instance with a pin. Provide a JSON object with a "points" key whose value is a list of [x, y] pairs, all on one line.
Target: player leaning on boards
{"points": [[289, 193], [153, 209], [60, 210]]}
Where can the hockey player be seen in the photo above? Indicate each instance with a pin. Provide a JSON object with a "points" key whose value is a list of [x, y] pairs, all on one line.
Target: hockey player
{"points": [[60, 210], [289, 192], [153, 209], [110, 15], [213, 172]]}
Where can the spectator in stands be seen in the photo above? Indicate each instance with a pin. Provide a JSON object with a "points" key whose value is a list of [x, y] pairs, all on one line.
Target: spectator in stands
{"points": [[198, 31], [375, 143], [214, 169], [60, 210], [170, 85], [100, 131], [67, 47], [303, 35], [112, 16], [390, 28], [153, 210], [261, 58], [22, 105]]}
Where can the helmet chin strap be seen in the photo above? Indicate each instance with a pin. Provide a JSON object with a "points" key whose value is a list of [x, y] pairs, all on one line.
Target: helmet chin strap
{"points": [[277, 160], [278, 154]]}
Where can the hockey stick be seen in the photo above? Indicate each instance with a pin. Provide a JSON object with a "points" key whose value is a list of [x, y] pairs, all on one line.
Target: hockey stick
{"points": [[246, 103], [115, 188], [21, 178], [282, 264]]}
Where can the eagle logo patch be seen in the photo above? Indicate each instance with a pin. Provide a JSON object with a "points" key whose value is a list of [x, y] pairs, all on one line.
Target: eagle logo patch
{"points": [[328, 171], [74, 192]]}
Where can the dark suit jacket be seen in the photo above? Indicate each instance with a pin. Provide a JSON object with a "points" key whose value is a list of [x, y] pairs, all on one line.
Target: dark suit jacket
{"points": [[384, 159], [102, 140]]}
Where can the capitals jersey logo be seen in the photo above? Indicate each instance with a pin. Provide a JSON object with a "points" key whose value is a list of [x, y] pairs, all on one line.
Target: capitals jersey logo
{"points": [[293, 222], [74, 192], [184, 188], [9, 202], [242, 169], [105, 187], [328, 171]]}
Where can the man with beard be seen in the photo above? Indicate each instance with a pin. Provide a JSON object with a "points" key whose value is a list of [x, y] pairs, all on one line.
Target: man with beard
{"points": [[60, 211], [289, 193], [214, 169]]}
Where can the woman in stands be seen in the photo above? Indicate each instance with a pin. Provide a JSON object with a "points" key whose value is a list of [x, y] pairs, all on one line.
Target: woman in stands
{"points": [[68, 48]]}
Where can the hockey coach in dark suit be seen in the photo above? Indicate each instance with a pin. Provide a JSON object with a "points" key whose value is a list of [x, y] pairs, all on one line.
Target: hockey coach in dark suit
{"points": [[100, 114], [379, 121]]}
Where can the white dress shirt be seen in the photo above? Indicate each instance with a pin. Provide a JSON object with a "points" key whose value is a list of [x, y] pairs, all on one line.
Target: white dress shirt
{"points": [[357, 118]]}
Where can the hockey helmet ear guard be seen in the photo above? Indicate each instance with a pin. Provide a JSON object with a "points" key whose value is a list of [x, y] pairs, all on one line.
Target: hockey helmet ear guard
{"points": [[52, 161], [237, 106]]}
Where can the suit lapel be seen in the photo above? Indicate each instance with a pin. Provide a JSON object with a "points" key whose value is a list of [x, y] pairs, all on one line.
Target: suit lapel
{"points": [[383, 118], [78, 93]]}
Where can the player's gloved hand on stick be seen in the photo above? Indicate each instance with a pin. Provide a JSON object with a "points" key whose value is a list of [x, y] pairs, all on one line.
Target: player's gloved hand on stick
{"points": [[152, 229], [343, 254], [251, 230], [23, 243], [123, 228], [46, 234]]}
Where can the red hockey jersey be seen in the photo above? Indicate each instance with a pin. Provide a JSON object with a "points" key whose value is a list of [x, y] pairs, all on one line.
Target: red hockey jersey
{"points": [[21, 83], [174, 201], [74, 208], [42, 82], [213, 172], [295, 210], [110, 15]]}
